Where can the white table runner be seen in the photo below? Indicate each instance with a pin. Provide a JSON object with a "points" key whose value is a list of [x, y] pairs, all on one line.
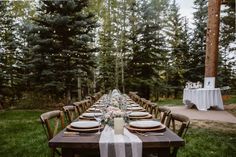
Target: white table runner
{"points": [[127, 145]]}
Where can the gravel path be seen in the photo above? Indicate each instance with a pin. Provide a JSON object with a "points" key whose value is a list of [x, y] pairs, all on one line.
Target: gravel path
{"points": [[214, 115]]}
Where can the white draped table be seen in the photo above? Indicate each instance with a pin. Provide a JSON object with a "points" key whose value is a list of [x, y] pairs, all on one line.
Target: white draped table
{"points": [[203, 98]]}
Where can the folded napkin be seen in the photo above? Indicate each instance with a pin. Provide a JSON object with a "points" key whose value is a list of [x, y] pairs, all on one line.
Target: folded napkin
{"points": [[127, 145]]}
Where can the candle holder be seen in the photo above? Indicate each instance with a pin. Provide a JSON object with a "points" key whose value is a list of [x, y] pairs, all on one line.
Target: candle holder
{"points": [[119, 125]]}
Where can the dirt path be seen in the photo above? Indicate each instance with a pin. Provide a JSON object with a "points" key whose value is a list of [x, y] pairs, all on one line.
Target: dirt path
{"points": [[211, 115]]}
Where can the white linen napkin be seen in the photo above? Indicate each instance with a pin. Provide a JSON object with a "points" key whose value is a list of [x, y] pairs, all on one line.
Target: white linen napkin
{"points": [[112, 145]]}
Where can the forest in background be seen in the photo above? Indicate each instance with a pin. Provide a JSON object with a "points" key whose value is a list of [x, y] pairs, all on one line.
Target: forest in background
{"points": [[61, 51]]}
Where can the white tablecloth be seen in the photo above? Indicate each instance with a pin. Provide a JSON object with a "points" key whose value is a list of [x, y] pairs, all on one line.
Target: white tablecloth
{"points": [[203, 98]]}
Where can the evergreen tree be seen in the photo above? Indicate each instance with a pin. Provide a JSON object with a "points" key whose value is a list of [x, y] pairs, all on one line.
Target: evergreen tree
{"points": [[198, 41], [107, 48], [177, 39], [60, 42], [227, 46], [9, 71]]}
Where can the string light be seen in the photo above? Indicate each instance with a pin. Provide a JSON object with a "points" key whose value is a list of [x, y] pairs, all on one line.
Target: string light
{"points": [[61, 6], [68, 29]]}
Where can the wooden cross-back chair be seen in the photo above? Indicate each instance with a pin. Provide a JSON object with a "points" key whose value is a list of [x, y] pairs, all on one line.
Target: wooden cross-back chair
{"points": [[71, 113], [160, 113], [147, 104], [81, 108], [52, 122], [179, 124]]}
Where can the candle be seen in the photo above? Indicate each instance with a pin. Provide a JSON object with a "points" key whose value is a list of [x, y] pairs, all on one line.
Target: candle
{"points": [[119, 125]]}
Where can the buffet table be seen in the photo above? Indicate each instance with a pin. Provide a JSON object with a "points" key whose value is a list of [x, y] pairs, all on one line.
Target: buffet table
{"points": [[203, 98]]}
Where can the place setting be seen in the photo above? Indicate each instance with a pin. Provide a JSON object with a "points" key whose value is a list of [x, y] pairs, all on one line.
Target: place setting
{"points": [[139, 115], [90, 115], [137, 108], [93, 109], [84, 126], [145, 126]]}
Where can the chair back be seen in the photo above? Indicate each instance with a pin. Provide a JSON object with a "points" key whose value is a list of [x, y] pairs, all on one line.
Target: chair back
{"points": [[71, 113], [51, 121], [179, 124], [148, 105], [160, 113], [81, 106]]}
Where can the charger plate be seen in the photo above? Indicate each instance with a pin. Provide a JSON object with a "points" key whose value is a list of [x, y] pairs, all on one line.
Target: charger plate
{"points": [[98, 105], [94, 110], [156, 129], [149, 116], [70, 128]]}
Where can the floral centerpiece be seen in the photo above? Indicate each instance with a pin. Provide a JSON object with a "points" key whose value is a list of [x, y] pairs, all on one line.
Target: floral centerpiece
{"points": [[111, 113]]}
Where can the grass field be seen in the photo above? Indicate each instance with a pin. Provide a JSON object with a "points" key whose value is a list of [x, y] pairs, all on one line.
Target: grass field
{"points": [[21, 135]]}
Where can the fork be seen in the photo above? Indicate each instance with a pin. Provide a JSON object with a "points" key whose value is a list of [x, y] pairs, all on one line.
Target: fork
{"points": [[150, 134]]}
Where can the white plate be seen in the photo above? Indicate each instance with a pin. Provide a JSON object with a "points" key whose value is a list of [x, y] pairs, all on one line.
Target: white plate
{"points": [[91, 114], [135, 105], [138, 114], [84, 124], [98, 105], [135, 108], [145, 124], [94, 109]]}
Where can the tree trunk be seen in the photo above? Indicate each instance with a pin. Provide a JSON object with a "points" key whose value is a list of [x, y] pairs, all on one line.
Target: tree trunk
{"points": [[212, 39], [79, 88]]}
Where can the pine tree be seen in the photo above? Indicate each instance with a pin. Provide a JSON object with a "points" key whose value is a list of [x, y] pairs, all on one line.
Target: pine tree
{"points": [[9, 55], [60, 42], [106, 67], [198, 41], [177, 40], [227, 46]]}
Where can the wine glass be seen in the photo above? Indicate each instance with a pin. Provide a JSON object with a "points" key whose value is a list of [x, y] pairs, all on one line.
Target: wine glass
{"points": [[99, 117]]}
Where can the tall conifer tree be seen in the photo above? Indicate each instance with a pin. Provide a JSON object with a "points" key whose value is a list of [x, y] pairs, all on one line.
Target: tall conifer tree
{"points": [[61, 46]]}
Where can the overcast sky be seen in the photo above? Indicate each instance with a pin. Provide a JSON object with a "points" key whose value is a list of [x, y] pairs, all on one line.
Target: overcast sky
{"points": [[186, 9]]}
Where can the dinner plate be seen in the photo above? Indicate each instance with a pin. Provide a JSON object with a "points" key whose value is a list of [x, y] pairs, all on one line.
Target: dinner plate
{"points": [[161, 128], [138, 114], [91, 114], [94, 110], [134, 108], [145, 124], [149, 116], [134, 105], [98, 105], [85, 124], [95, 129]]}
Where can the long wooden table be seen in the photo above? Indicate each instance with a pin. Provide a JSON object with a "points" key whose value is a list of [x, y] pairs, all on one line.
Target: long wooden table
{"points": [[89, 143]]}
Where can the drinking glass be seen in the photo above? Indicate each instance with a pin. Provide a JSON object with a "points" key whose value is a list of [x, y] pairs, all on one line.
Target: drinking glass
{"points": [[99, 117]]}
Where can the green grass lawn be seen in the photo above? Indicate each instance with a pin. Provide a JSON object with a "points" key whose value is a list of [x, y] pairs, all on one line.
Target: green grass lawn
{"points": [[21, 135]]}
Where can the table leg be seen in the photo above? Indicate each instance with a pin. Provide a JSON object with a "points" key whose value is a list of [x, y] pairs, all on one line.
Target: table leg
{"points": [[67, 152], [164, 152]]}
